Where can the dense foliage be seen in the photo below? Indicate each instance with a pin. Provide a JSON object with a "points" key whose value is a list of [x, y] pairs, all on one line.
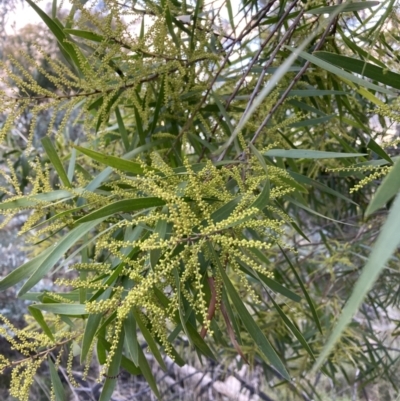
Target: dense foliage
{"points": [[213, 148]]}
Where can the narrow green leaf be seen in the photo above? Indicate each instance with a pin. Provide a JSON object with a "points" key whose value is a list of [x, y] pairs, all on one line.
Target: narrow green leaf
{"points": [[101, 177], [38, 316], [71, 165], [57, 31], [101, 348], [24, 271], [112, 161], [148, 375], [305, 292], [312, 211], [92, 324], [199, 343], [183, 319], [387, 242], [57, 252], [96, 104], [266, 349], [346, 7], [157, 109], [139, 126], [161, 230], [269, 282], [131, 340], [357, 49], [309, 181], [62, 309], [311, 122], [225, 211], [55, 160], [230, 14], [390, 187], [33, 200], [260, 158], [113, 370], [378, 150], [59, 391], [314, 92], [95, 37], [54, 9], [341, 73], [126, 205], [309, 154], [223, 111], [262, 199], [361, 67], [292, 328], [122, 129], [149, 339], [126, 363]]}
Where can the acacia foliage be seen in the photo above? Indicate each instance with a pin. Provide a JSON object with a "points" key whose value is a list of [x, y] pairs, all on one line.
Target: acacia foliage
{"points": [[209, 133]]}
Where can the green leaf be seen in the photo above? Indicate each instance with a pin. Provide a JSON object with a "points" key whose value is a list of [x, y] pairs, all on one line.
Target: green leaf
{"points": [[362, 67], [182, 318], [103, 345], [378, 150], [131, 340], [59, 391], [260, 158], [24, 271], [62, 309], [292, 327], [113, 370], [161, 230], [308, 181], [225, 211], [387, 242], [112, 161], [309, 154], [314, 92], [149, 339], [92, 324], [223, 111], [85, 34], [262, 199], [275, 286], [312, 211], [390, 187], [127, 205], [199, 343], [57, 252], [344, 7], [68, 48], [305, 292], [341, 73], [264, 346], [272, 284], [146, 372], [122, 129], [157, 109], [38, 316], [311, 122], [71, 166], [33, 200], [55, 160]]}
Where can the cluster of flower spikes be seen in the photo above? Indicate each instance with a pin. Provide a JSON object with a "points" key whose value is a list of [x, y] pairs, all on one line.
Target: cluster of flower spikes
{"points": [[168, 252], [35, 348], [110, 72]]}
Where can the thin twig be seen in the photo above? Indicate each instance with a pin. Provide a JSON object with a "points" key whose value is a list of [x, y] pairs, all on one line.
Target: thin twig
{"points": [[291, 85]]}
